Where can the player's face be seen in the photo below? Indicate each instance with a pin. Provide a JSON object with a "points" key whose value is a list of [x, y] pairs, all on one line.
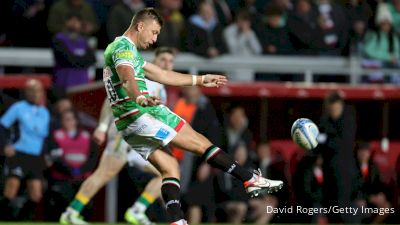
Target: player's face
{"points": [[148, 33], [165, 61]]}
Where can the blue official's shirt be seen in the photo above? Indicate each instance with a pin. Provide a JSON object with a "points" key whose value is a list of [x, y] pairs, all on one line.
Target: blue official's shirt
{"points": [[33, 124]]}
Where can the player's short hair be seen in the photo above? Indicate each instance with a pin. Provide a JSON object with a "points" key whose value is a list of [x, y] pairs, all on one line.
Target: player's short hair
{"points": [[161, 50], [333, 97], [146, 14]]}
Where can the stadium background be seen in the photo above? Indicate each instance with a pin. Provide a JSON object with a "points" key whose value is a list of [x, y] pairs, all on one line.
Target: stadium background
{"points": [[276, 87]]}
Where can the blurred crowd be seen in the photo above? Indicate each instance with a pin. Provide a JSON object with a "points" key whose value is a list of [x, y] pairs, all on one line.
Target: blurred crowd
{"points": [[46, 155], [210, 28]]}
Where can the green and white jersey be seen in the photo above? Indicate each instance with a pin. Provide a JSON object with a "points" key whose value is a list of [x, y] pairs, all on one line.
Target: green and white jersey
{"points": [[122, 51]]}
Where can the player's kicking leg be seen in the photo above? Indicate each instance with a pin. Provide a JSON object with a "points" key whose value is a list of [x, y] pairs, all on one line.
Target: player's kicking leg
{"points": [[254, 183], [136, 214]]}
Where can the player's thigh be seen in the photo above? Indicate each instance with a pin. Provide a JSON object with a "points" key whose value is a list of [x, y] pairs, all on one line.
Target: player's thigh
{"points": [[165, 163], [190, 140], [109, 166], [35, 189], [149, 168], [11, 187]]}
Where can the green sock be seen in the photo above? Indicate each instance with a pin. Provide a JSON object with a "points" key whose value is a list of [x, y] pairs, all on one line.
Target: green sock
{"points": [[143, 202], [79, 202]]}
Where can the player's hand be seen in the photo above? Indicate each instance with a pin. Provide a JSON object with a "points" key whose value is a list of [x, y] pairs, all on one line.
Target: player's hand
{"points": [[211, 80], [99, 136], [153, 100], [148, 101], [9, 151]]}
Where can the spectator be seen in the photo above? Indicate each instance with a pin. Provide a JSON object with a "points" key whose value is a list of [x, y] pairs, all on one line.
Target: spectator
{"points": [[72, 159], [64, 105], [359, 14], [332, 29], [367, 180], [309, 186], [275, 37], [241, 40], [223, 12], [383, 45], [394, 8], [23, 156], [174, 24], [62, 8], [272, 167], [236, 129], [302, 28], [200, 209], [255, 16], [337, 134], [121, 15], [197, 110], [72, 55], [205, 33], [229, 194], [30, 17]]}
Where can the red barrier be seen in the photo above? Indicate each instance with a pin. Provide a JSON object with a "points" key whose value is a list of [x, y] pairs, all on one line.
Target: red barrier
{"points": [[293, 90], [18, 81]]}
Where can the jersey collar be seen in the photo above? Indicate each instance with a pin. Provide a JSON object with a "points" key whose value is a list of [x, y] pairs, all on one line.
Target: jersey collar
{"points": [[125, 37]]}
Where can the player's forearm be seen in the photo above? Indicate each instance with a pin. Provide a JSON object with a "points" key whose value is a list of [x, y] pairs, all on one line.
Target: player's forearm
{"points": [[131, 88], [127, 78], [172, 78], [179, 79]]}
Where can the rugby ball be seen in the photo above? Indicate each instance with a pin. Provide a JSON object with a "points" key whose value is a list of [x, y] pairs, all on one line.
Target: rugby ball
{"points": [[304, 133]]}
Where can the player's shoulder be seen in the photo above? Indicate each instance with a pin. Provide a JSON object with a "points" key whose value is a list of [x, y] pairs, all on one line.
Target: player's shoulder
{"points": [[122, 46], [123, 42]]}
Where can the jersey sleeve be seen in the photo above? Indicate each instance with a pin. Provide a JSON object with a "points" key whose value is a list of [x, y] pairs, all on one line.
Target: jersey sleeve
{"points": [[10, 116], [123, 55]]}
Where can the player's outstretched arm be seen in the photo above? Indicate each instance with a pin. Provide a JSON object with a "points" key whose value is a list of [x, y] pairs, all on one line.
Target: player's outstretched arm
{"points": [[172, 78]]}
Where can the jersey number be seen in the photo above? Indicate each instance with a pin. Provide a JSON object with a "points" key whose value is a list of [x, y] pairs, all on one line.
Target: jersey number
{"points": [[111, 93]]}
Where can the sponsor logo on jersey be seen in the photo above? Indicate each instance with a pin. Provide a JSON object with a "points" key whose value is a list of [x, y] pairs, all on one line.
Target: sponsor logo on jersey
{"points": [[162, 133], [124, 55]]}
